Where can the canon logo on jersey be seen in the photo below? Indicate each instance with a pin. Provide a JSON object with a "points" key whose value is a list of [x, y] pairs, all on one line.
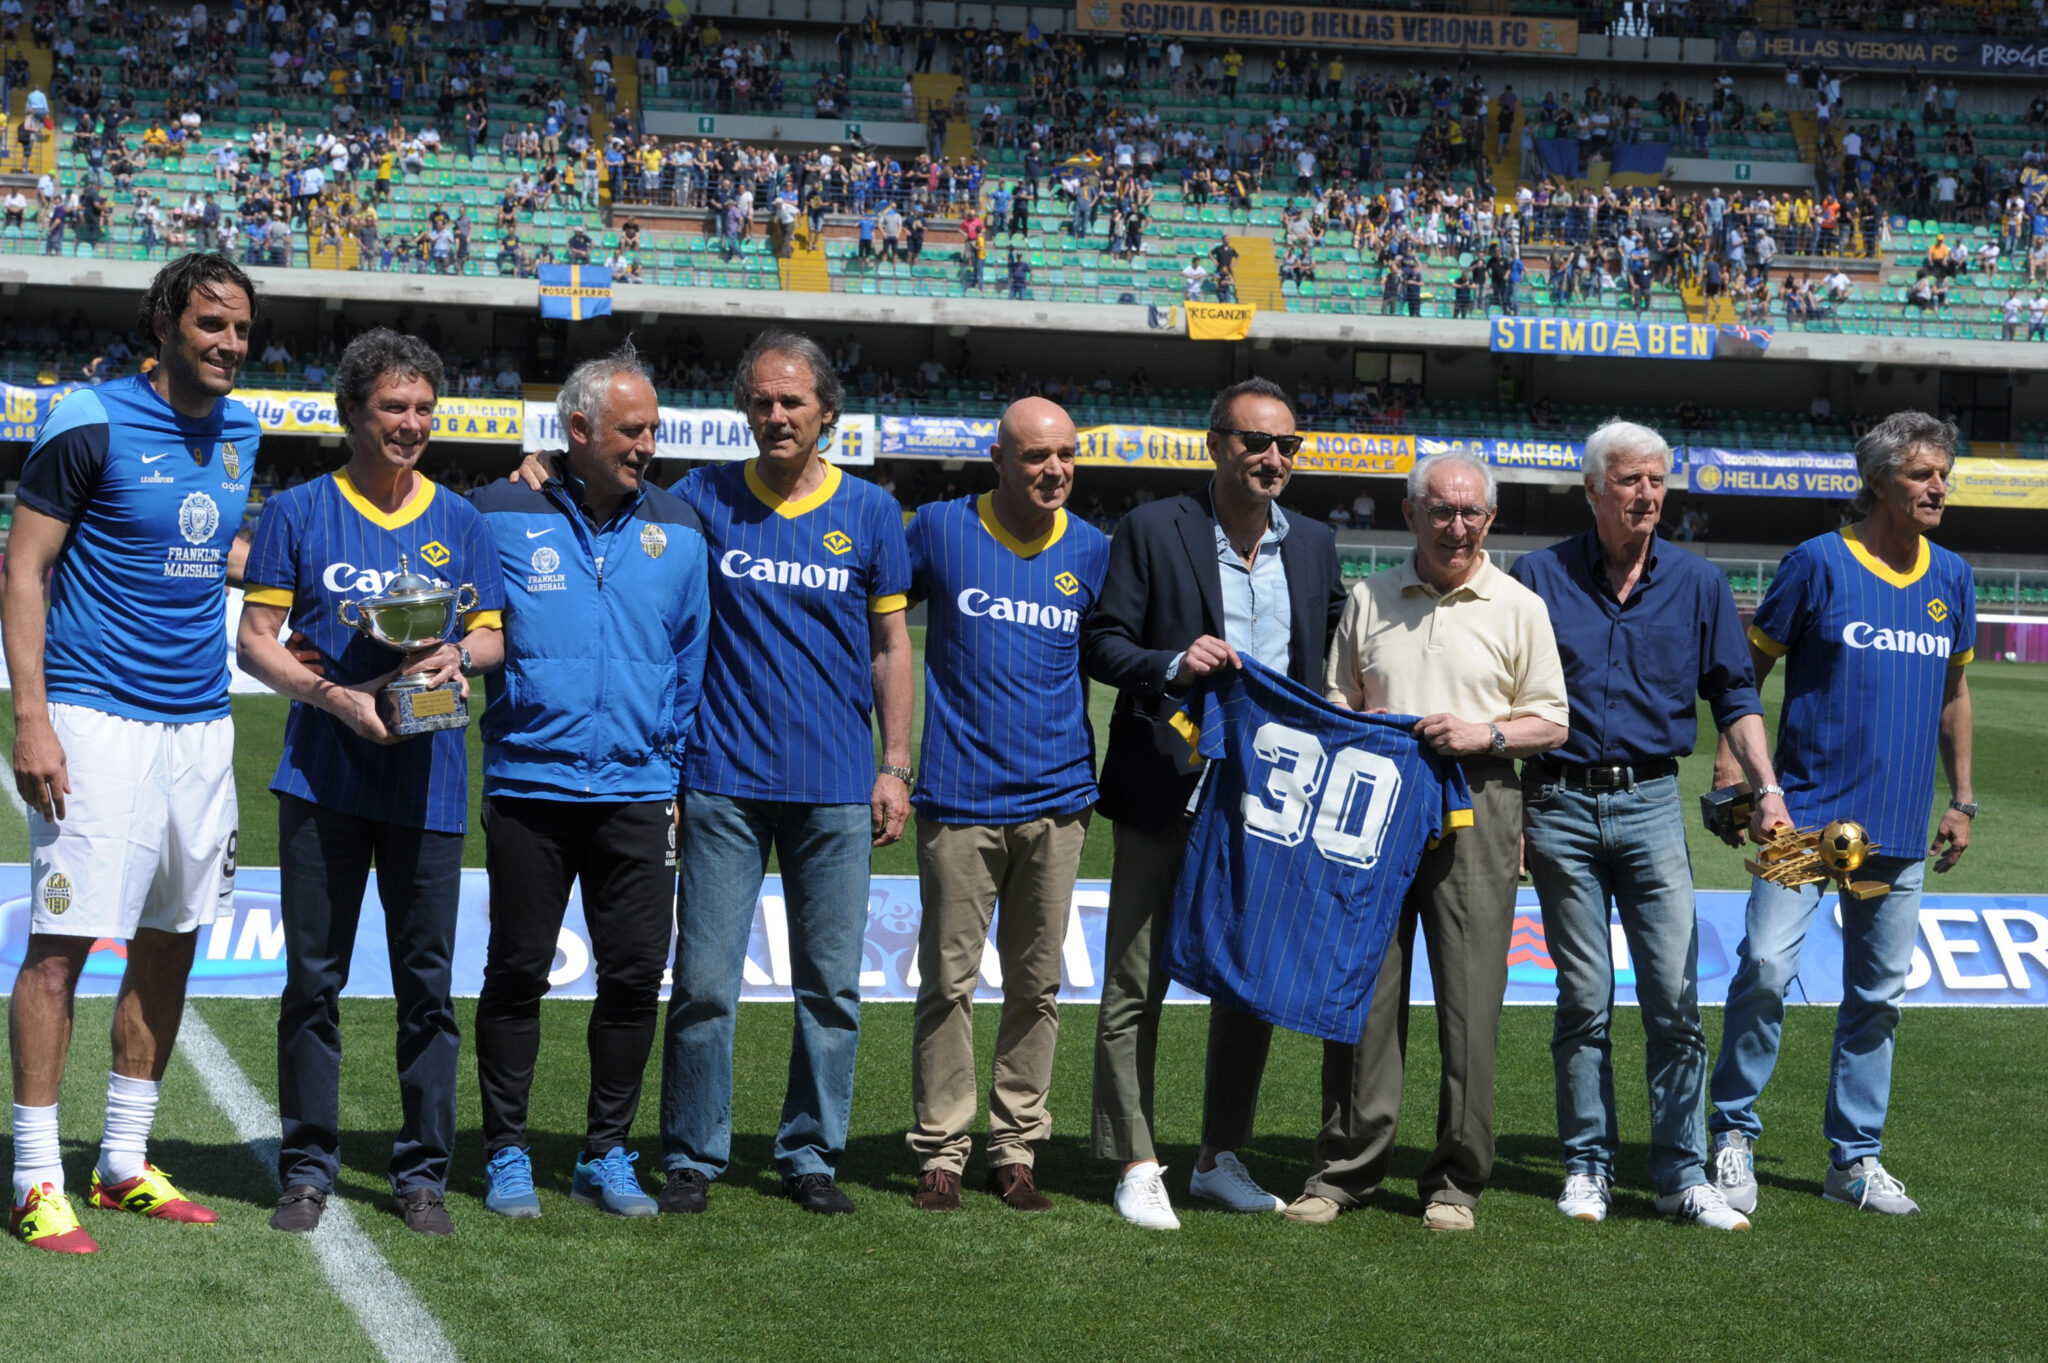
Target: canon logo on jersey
{"points": [[789, 573], [976, 602], [346, 577], [1861, 634]]}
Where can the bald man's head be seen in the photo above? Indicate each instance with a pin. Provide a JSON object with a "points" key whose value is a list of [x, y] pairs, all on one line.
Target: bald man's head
{"points": [[1034, 457]]}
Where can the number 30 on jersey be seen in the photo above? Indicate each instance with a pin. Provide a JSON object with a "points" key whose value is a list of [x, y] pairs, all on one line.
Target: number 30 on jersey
{"points": [[1342, 804]]}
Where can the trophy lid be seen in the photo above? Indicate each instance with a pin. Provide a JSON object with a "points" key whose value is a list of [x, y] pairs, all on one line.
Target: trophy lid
{"points": [[411, 584]]}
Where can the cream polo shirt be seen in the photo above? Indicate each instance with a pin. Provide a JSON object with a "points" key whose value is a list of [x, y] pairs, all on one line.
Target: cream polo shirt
{"points": [[1484, 652]]}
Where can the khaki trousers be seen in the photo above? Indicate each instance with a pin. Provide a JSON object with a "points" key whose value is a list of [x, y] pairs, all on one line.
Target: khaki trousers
{"points": [[1133, 993], [1464, 900], [964, 872]]}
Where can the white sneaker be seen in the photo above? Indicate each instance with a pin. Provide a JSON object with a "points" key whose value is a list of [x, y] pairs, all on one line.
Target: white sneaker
{"points": [[1703, 1205], [1585, 1197], [1866, 1186], [1734, 1170], [1230, 1184], [1141, 1197]]}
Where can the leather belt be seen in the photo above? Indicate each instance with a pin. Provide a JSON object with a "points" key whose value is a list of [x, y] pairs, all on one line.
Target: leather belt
{"points": [[1610, 776]]}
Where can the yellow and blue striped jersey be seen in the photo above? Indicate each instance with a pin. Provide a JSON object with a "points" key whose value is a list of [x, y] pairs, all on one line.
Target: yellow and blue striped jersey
{"points": [[1006, 735], [1867, 655], [320, 543], [138, 608], [788, 685], [1312, 823]]}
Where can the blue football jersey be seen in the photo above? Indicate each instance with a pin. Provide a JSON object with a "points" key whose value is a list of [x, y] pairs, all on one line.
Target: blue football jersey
{"points": [[788, 685], [138, 602], [1006, 735], [1311, 826], [1867, 656], [321, 543]]}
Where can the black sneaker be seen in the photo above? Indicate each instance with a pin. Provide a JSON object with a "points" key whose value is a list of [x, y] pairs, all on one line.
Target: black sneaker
{"points": [[686, 1193], [423, 1211], [818, 1193], [299, 1208]]}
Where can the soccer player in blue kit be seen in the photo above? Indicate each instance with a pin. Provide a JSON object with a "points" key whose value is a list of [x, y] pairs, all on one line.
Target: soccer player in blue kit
{"points": [[123, 748], [352, 794], [1008, 781], [1875, 624]]}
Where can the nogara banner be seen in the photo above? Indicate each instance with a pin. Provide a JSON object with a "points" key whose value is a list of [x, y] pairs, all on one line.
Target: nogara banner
{"points": [[1972, 949]]}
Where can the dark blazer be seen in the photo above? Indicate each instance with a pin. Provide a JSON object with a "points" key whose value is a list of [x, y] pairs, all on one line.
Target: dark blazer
{"points": [[1163, 591]]}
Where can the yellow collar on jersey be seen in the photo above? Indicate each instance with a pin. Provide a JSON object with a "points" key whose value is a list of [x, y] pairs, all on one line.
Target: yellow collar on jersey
{"points": [[986, 506], [790, 510], [1883, 571], [414, 508]]}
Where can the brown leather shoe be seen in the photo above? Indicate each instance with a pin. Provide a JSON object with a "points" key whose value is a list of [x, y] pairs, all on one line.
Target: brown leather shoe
{"points": [[1014, 1184], [938, 1190]]}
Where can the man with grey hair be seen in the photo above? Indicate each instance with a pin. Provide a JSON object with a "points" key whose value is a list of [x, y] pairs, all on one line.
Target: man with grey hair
{"points": [[606, 626], [1451, 638], [1644, 630], [1874, 623]]}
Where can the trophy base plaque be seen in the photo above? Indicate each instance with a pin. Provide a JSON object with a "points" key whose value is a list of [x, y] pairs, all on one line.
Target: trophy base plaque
{"points": [[422, 709]]}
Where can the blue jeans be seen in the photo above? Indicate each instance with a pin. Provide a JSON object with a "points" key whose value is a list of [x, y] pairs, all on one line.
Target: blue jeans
{"points": [[1877, 951], [324, 859], [1628, 847], [824, 856]]}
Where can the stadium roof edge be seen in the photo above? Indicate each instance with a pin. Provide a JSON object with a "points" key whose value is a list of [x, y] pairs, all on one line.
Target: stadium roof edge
{"points": [[986, 313]]}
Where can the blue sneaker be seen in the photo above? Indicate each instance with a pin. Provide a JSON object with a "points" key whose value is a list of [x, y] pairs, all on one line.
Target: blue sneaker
{"points": [[508, 1185], [611, 1184]]}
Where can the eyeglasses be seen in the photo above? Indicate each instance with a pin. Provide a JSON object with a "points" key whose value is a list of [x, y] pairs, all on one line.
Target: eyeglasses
{"points": [[1441, 515], [1256, 442]]}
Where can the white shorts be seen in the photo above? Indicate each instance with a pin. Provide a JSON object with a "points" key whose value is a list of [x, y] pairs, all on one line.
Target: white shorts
{"points": [[149, 829]]}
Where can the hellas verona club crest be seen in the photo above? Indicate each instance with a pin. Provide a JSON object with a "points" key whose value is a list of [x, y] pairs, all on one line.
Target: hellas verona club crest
{"points": [[198, 518], [56, 893], [230, 459], [654, 540]]}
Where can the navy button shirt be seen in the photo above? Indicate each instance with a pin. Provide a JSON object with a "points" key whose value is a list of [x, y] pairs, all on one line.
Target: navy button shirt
{"points": [[1634, 668]]}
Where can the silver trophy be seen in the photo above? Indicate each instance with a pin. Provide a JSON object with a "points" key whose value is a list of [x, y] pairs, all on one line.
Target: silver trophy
{"points": [[413, 614]]}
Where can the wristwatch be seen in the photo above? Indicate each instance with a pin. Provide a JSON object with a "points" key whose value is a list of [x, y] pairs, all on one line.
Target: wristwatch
{"points": [[464, 654], [1778, 791], [1968, 809], [903, 774], [1499, 745]]}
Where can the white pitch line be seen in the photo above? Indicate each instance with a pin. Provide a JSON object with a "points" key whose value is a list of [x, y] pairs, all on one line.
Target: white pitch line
{"points": [[398, 1323]]}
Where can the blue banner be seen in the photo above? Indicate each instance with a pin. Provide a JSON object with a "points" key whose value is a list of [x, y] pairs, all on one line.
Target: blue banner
{"points": [[937, 437], [1566, 455], [1972, 949], [1602, 336], [1774, 473], [1638, 158], [1900, 51], [24, 409], [575, 293]]}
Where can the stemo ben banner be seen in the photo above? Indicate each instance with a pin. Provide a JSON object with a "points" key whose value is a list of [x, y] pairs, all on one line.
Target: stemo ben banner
{"points": [[1972, 949]]}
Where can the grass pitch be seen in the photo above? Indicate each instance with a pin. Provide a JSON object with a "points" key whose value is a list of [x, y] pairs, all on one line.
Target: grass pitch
{"points": [[756, 1278]]}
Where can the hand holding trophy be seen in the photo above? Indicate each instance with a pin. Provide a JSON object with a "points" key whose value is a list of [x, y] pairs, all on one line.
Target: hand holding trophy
{"points": [[413, 614]]}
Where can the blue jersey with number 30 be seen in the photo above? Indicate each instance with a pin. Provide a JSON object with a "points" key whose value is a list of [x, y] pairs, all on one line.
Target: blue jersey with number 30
{"points": [[1309, 832]]}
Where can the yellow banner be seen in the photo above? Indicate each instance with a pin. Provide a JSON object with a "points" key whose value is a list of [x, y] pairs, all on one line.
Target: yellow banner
{"points": [[2019, 484], [1218, 321], [1330, 26], [491, 420], [1161, 447]]}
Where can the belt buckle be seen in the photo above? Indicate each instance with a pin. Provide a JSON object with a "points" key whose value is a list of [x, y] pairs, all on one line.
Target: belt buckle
{"points": [[1609, 777]]}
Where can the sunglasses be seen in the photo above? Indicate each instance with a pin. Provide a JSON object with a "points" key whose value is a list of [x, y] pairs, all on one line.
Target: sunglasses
{"points": [[1256, 442]]}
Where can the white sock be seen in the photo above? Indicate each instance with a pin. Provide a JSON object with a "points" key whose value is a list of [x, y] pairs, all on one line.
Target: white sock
{"points": [[38, 1158], [131, 1111]]}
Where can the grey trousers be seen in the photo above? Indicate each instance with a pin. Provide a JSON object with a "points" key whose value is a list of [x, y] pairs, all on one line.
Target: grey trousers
{"points": [[1464, 900], [1133, 993]]}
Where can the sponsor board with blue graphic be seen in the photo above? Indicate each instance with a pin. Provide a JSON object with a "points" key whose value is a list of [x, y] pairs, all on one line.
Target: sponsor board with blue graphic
{"points": [[1972, 949]]}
